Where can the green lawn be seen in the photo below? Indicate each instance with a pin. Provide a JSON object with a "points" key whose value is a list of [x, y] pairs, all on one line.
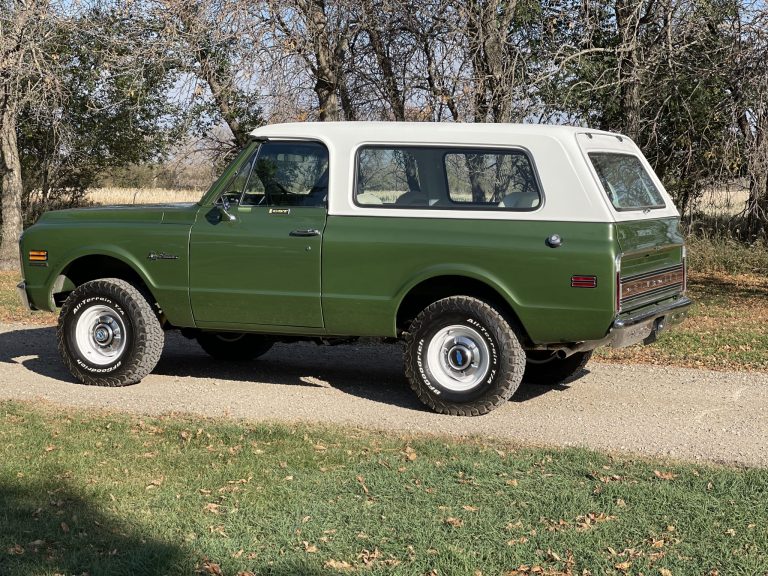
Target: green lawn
{"points": [[110, 494]]}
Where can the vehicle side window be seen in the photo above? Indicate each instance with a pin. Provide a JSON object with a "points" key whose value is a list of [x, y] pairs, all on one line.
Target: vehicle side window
{"points": [[491, 179], [288, 174], [233, 189], [388, 176], [445, 178]]}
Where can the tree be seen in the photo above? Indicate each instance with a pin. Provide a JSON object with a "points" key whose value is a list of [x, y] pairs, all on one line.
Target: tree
{"points": [[29, 79], [83, 92]]}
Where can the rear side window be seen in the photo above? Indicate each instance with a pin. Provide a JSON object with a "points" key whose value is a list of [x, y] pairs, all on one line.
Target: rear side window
{"points": [[445, 178], [626, 182], [493, 179]]}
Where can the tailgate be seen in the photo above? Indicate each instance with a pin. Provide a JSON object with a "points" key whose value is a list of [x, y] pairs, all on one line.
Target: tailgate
{"points": [[652, 261]]}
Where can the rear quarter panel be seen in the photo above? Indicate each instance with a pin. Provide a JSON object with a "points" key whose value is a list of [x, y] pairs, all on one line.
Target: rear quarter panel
{"points": [[370, 263]]}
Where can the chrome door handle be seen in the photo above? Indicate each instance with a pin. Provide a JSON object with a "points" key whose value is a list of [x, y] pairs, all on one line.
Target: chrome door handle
{"points": [[304, 233]]}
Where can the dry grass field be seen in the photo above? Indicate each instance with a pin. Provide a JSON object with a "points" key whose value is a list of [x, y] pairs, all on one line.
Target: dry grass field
{"points": [[111, 196], [727, 201]]}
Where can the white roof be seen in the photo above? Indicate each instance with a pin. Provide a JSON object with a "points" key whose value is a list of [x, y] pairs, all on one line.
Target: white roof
{"points": [[448, 132], [568, 183]]}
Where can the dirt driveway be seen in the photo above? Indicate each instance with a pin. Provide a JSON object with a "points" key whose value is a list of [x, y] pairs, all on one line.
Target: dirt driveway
{"points": [[682, 413]]}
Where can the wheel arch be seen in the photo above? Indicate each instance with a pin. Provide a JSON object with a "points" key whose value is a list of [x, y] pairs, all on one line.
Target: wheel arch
{"points": [[93, 266], [424, 292]]}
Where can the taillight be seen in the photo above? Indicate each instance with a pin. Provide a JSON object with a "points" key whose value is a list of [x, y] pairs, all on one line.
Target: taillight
{"points": [[583, 281]]}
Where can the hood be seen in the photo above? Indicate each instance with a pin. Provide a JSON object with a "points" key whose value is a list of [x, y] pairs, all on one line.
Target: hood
{"points": [[154, 213]]}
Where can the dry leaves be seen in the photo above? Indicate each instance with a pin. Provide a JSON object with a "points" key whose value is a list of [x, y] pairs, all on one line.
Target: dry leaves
{"points": [[212, 507], [338, 565], [455, 522], [664, 475], [208, 567], [589, 520]]}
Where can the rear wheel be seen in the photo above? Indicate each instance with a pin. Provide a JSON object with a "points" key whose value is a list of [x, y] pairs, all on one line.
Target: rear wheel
{"points": [[462, 357], [108, 334], [544, 367], [234, 346]]}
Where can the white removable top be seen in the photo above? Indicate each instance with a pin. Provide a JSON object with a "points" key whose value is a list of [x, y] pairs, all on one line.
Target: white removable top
{"points": [[570, 187]]}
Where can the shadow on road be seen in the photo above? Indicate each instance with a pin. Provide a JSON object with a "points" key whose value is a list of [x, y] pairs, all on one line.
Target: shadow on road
{"points": [[369, 370]]}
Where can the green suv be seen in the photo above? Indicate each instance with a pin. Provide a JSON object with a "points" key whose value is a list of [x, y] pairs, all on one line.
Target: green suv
{"points": [[494, 252]]}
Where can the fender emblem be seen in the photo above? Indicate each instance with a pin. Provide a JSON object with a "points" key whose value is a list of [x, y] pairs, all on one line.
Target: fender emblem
{"points": [[161, 256]]}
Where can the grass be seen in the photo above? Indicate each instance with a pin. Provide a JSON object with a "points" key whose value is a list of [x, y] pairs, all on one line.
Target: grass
{"points": [[106, 196], [11, 308], [84, 492]]}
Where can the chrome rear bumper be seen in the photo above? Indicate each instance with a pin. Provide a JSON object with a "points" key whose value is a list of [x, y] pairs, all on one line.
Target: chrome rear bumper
{"points": [[643, 327]]}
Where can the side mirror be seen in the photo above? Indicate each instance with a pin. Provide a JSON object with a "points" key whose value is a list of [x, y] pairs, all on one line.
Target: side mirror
{"points": [[224, 203]]}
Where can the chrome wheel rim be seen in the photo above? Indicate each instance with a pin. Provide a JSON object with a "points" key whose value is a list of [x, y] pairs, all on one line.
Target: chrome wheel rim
{"points": [[100, 335], [458, 358]]}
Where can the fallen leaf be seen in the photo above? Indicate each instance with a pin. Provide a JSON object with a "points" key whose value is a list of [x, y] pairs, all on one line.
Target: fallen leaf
{"points": [[361, 481], [212, 507], [657, 543], [664, 475], [369, 557], [455, 522], [155, 483], [210, 568], [665, 572], [309, 548], [64, 527], [623, 566], [471, 508], [15, 550], [512, 482], [338, 565]]}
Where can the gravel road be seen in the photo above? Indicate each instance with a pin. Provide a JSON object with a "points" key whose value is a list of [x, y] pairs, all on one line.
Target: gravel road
{"points": [[676, 412]]}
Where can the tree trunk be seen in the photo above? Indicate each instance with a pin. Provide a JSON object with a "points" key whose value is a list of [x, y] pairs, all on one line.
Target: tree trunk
{"points": [[629, 85], [10, 167]]}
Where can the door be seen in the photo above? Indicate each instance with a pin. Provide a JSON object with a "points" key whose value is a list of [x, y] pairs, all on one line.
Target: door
{"points": [[256, 259]]}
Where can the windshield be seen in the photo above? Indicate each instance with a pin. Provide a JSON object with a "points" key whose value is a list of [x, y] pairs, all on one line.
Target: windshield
{"points": [[626, 182]]}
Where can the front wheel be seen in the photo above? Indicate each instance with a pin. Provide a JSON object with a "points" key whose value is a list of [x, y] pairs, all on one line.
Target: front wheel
{"points": [[462, 357], [108, 334], [546, 368]]}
